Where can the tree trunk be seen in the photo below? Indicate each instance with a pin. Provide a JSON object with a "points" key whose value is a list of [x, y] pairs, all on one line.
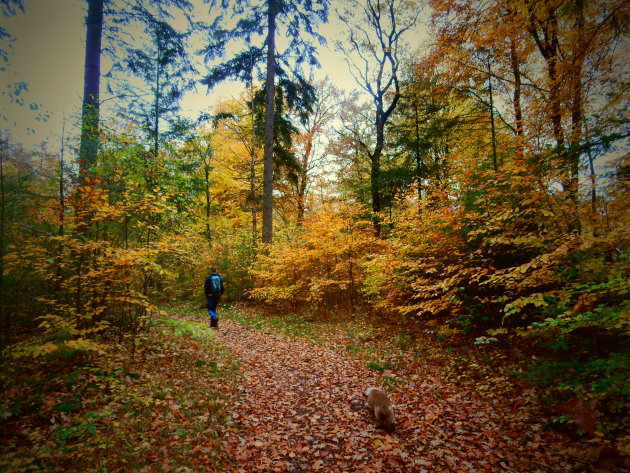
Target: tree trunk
{"points": [[91, 86], [156, 105], [516, 99], [4, 314], [301, 197], [207, 174], [416, 119], [573, 154], [375, 168], [495, 163], [252, 165], [62, 203], [548, 46], [269, 131]]}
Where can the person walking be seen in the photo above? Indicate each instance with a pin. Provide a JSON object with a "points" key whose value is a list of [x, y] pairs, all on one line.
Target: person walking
{"points": [[213, 289]]}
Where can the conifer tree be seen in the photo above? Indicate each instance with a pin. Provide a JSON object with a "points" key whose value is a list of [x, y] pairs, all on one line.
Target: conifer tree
{"points": [[164, 68], [293, 17]]}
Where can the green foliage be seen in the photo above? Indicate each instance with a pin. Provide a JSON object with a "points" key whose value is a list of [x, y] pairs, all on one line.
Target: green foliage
{"points": [[378, 366], [184, 328]]}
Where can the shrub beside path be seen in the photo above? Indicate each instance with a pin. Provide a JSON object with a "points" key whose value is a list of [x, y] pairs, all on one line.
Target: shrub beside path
{"points": [[302, 409]]}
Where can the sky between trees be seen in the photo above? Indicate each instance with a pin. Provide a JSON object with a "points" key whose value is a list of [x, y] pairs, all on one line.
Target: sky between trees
{"points": [[48, 54]]}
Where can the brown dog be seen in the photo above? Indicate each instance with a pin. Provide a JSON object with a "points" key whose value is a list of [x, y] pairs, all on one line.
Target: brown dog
{"points": [[379, 403]]}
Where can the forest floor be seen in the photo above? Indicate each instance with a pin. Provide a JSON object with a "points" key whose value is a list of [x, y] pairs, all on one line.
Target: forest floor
{"points": [[301, 408], [268, 393]]}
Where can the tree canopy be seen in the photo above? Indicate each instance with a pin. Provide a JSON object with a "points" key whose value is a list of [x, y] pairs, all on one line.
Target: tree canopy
{"points": [[470, 193]]}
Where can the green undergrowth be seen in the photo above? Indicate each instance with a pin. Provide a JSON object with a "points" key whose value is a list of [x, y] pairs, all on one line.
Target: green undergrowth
{"points": [[161, 407]]}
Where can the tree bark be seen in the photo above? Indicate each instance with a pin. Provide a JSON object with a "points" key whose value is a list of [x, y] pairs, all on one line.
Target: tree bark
{"points": [[91, 87], [303, 182], [495, 162], [577, 91], [418, 154], [207, 175], [516, 99], [156, 105], [375, 169], [4, 313], [267, 235], [252, 162], [548, 46]]}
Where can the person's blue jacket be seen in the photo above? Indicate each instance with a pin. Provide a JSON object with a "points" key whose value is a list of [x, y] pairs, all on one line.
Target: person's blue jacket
{"points": [[208, 286]]}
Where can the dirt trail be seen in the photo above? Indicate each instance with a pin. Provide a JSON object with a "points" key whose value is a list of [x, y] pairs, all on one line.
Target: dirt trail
{"points": [[302, 410]]}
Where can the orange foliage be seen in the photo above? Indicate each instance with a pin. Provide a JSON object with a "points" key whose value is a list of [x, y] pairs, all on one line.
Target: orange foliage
{"points": [[319, 263], [498, 250]]}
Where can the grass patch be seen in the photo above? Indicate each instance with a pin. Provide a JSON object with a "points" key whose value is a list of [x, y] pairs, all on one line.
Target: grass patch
{"points": [[378, 365], [294, 325]]}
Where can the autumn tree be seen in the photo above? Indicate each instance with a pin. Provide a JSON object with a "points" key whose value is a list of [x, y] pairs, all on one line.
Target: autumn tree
{"points": [[535, 60], [373, 52], [199, 144], [241, 119], [308, 143]]}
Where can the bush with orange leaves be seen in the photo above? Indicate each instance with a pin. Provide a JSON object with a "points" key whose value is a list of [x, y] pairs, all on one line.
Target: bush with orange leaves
{"points": [[320, 263], [501, 251]]}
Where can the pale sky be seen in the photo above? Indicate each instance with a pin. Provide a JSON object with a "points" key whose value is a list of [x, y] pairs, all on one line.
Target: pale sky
{"points": [[48, 54]]}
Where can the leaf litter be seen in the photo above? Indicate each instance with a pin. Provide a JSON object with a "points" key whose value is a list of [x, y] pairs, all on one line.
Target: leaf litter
{"points": [[302, 409]]}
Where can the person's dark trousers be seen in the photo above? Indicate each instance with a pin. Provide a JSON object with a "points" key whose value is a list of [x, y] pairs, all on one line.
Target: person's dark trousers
{"points": [[212, 302]]}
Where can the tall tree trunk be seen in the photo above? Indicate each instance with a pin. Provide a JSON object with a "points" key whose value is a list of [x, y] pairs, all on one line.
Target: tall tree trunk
{"points": [[592, 176], [62, 209], [577, 91], [156, 106], [252, 150], [62, 203], [548, 45], [4, 313], [516, 99], [207, 174], [495, 163], [375, 157], [252, 161], [91, 86], [375, 170], [269, 128], [303, 182], [554, 99], [418, 155]]}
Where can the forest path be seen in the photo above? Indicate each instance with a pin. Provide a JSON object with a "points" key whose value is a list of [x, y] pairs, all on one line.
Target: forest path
{"points": [[302, 409]]}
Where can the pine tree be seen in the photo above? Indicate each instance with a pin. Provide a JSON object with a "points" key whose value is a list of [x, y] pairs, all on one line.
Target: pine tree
{"points": [[295, 16]]}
